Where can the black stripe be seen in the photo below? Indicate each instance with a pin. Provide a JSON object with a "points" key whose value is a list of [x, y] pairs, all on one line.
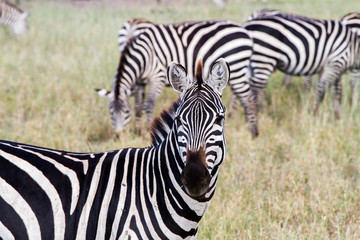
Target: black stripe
{"points": [[12, 221]]}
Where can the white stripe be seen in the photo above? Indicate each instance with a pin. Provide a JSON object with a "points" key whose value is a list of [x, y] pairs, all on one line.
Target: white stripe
{"points": [[122, 197], [74, 181], [22, 208], [147, 218], [101, 227], [132, 209], [83, 221]]}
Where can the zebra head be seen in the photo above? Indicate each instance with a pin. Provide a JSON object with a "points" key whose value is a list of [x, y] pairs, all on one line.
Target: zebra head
{"points": [[20, 26], [119, 109], [199, 125], [127, 75]]}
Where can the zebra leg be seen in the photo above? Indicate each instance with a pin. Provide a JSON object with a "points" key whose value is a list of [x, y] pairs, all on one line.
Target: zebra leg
{"points": [[248, 101], [337, 96], [287, 80], [251, 114], [259, 80], [328, 77], [153, 94], [139, 101], [233, 103], [308, 82], [259, 95], [354, 82]]}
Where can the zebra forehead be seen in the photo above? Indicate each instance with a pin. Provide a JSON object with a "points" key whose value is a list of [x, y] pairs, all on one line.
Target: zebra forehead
{"points": [[200, 103]]}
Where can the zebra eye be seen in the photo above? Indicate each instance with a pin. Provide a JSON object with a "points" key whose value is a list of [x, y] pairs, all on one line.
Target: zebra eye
{"points": [[178, 121], [219, 120]]}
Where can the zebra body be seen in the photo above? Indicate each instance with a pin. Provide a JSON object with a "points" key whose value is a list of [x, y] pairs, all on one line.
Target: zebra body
{"points": [[299, 45], [351, 20], [13, 17], [159, 192], [146, 54]]}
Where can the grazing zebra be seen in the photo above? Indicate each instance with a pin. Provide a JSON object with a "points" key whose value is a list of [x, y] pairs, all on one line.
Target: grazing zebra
{"points": [[299, 45], [159, 192], [13, 17], [147, 50]]}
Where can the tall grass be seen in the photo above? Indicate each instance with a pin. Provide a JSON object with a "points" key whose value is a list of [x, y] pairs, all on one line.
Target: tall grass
{"points": [[298, 180]]}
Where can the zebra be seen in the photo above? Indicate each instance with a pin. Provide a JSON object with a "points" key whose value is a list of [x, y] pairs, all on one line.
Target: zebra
{"points": [[146, 51], [158, 192], [353, 21], [13, 17], [299, 45]]}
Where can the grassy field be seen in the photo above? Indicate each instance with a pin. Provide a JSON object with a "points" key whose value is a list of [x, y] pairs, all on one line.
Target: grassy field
{"points": [[298, 180]]}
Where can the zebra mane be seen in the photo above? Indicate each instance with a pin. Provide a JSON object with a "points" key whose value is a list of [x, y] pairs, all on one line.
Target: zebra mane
{"points": [[198, 74], [263, 13], [10, 5], [161, 125], [131, 30]]}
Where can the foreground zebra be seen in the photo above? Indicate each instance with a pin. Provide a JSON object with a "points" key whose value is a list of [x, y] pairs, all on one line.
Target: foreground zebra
{"points": [[149, 48], [299, 45], [13, 17], [159, 192]]}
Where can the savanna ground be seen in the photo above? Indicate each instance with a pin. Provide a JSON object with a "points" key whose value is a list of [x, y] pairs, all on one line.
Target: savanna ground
{"points": [[298, 180]]}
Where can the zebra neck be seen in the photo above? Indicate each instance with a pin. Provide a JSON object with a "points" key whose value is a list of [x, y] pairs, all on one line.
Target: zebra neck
{"points": [[170, 166]]}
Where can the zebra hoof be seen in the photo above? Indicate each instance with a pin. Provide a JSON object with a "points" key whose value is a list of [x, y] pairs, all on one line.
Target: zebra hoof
{"points": [[254, 132]]}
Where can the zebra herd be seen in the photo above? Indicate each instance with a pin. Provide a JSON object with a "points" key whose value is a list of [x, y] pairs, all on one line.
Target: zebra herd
{"points": [[162, 191], [269, 40]]}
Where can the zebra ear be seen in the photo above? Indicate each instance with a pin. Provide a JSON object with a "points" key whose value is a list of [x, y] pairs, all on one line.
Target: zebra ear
{"points": [[104, 93], [219, 75], [177, 77]]}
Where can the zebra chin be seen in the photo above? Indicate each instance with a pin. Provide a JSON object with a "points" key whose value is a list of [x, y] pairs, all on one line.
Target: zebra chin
{"points": [[195, 175]]}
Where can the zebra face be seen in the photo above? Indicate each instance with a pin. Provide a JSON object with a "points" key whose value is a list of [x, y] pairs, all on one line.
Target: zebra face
{"points": [[199, 125], [119, 110], [120, 114]]}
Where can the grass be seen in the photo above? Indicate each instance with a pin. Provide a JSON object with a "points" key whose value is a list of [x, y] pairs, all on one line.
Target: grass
{"points": [[298, 180]]}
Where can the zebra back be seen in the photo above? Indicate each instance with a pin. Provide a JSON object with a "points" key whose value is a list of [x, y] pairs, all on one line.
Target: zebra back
{"points": [[130, 30], [264, 13]]}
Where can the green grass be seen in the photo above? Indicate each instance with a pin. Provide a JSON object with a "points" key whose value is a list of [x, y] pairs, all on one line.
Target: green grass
{"points": [[298, 180]]}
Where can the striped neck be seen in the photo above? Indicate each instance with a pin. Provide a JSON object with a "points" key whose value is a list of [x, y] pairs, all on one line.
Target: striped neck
{"points": [[167, 170]]}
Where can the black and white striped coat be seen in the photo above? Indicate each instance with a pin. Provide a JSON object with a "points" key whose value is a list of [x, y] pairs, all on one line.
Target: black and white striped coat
{"points": [[299, 45], [159, 192], [147, 49], [351, 20], [13, 17]]}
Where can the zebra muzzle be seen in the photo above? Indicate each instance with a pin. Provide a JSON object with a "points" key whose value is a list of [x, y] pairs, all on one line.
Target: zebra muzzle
{"points": [[195, 175]]}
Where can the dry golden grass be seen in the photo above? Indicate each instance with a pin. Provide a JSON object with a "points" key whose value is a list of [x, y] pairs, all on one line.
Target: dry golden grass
{"points": [[298, 180]]}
